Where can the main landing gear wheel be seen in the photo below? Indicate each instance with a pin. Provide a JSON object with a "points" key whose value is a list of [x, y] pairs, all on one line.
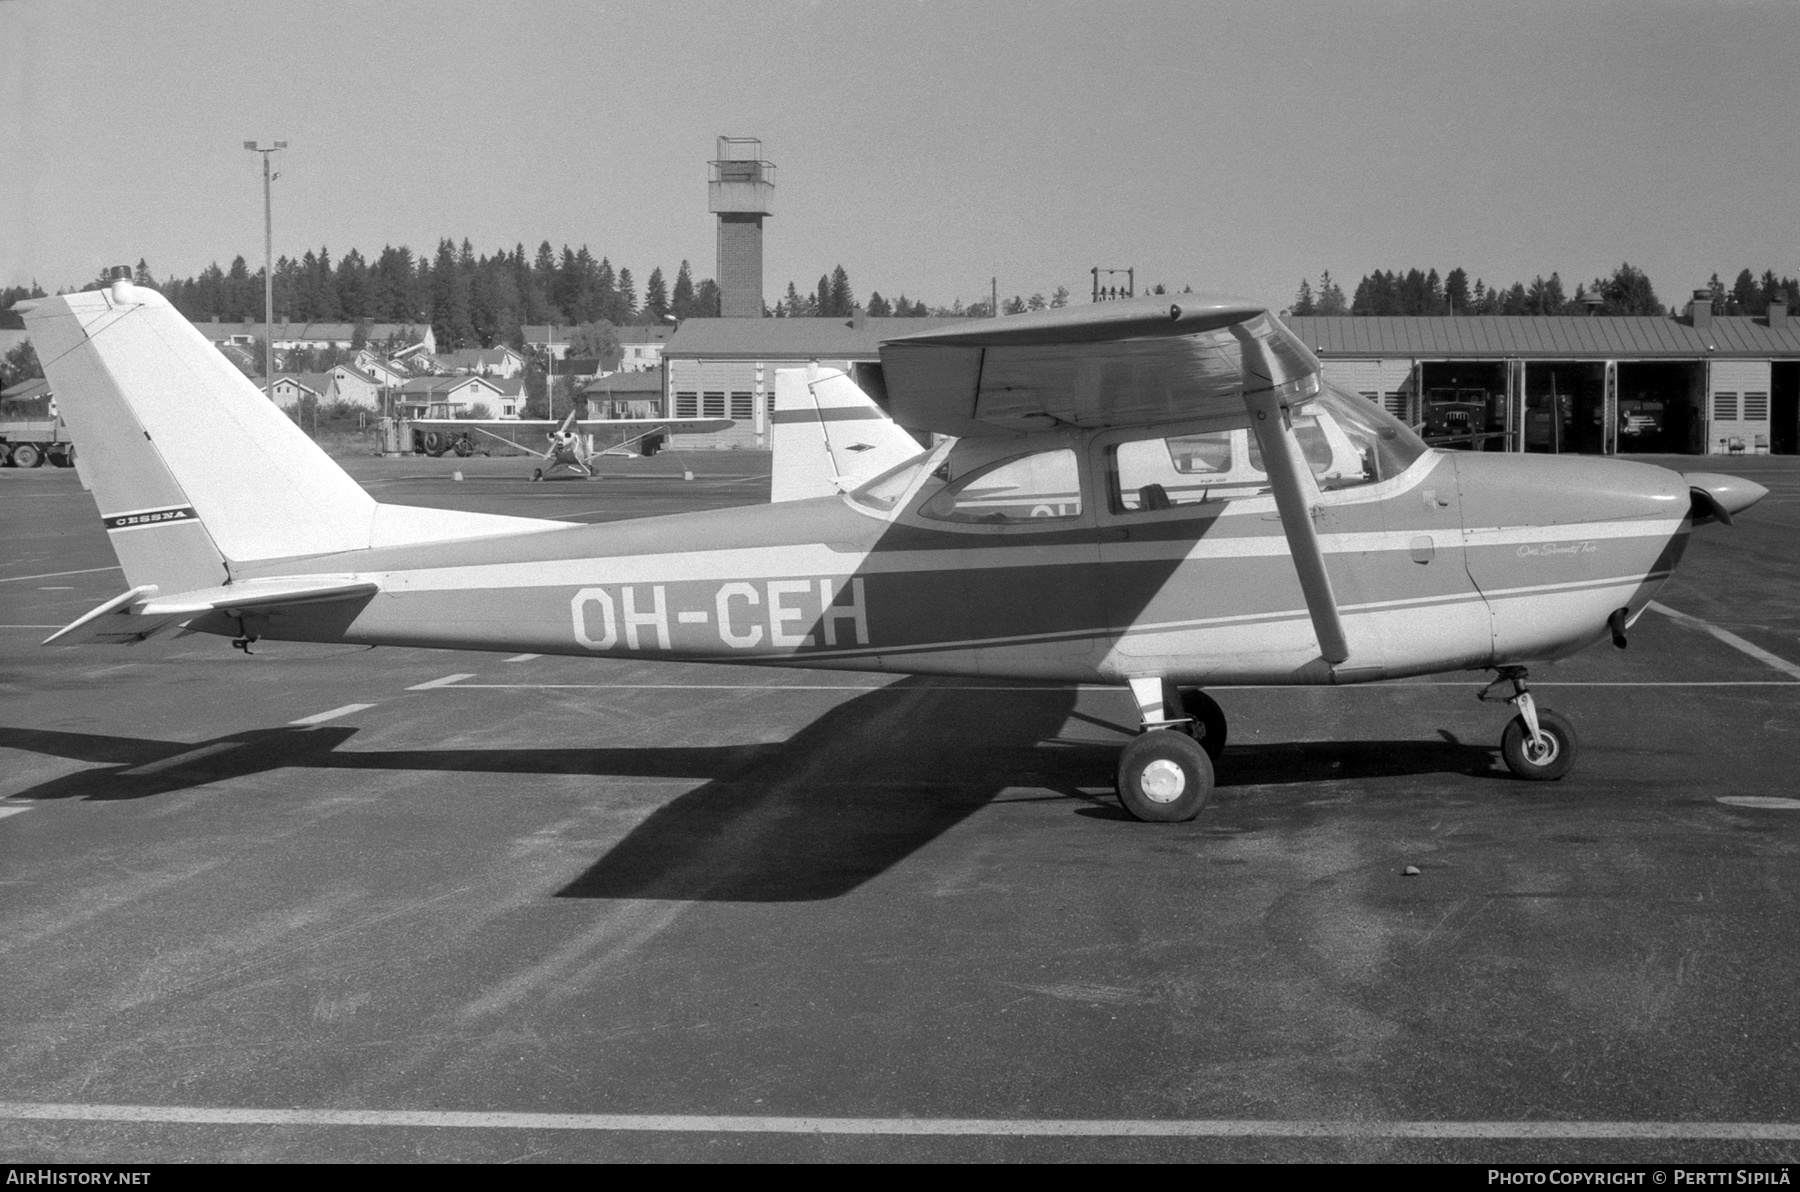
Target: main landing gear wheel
{"points": [[1541, 756], [1208, 718], [1546, 759], [537, 474], [1165, 777]]}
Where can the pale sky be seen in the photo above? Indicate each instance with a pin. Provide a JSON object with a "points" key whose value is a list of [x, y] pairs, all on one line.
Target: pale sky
{"points": [[925, 146]]}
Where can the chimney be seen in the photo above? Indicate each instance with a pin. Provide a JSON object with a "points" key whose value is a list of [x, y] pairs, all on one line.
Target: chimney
{"points": [[1593, 302], [1700, 310], [859, 318], [1778, 315]]}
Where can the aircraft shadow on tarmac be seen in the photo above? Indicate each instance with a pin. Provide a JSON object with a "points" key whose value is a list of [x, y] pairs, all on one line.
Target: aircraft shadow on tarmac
{"points": [[846, 798]]}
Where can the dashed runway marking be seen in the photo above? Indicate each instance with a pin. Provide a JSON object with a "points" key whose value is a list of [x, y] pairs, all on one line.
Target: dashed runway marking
{"points": [[19, 579], [1764, 802], [913, 1127], [524, 657], [322, 717], [6, 811], [1731, 639], [446, 681]]}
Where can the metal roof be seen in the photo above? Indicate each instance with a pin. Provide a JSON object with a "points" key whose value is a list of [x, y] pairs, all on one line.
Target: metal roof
{"points": [[791, 339], [1572, 337]]}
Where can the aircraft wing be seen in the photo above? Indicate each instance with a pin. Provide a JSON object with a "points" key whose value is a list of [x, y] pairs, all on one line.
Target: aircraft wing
{"points": [[1138, 362], [137, 615]]}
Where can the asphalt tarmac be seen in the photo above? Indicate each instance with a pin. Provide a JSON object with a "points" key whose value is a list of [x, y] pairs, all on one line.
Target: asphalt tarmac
{"points": [[327, 903]]}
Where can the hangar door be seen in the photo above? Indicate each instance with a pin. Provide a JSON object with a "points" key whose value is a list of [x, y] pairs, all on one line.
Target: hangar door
{"points": [[1738, 406], [1388, 381]]}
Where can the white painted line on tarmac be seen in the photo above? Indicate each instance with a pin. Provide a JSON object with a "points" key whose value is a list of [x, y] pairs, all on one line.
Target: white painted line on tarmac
{"points": [[913, 1127], [6, 811], [446, 681], [1765, 802], [1053, 687], [30, 626], [322, 717], [524, 657], [19, 579], [1731, 639]]}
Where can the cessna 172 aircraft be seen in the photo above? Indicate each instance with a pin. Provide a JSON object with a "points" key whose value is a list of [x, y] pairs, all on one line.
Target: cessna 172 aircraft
{"points": [[1160, 494]]}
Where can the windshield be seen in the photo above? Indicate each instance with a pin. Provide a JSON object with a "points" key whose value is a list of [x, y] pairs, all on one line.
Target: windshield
{"points": [[1385, 443]]}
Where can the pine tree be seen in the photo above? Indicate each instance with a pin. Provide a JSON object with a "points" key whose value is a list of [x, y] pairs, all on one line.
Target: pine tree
{"points": [[656, 295], [842, 300], [1331, 297], [1303, 301], [627, 301], [681, 301]]}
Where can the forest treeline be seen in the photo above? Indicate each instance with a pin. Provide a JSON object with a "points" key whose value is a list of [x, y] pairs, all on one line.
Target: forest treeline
{"points": [[1626, 292], [481, 301]]}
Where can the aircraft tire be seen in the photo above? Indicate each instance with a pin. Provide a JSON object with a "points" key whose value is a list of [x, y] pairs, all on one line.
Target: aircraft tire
{"points": [[1164, 777], [1209, 720], [537, 474], [1522, 760]]}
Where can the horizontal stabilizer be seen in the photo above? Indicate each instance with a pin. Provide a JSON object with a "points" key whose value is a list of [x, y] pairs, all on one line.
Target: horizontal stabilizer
{"points": [[137, 615]]}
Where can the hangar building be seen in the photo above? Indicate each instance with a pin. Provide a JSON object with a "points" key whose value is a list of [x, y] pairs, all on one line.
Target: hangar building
{"points": [[1701, 384]]}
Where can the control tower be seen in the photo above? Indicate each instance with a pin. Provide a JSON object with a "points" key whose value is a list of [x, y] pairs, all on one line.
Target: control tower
{"points": [[740, 191]]}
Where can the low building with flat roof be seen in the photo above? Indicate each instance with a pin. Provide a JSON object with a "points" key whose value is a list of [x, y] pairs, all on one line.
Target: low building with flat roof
{"points": [[725, 368]]}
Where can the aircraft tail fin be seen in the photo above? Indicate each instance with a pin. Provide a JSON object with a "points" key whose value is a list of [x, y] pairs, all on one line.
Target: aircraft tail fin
{"points": [[827, 435], [193, 468]]}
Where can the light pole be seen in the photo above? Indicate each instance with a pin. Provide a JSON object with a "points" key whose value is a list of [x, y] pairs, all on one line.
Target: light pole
{"points": [[268, 265]]}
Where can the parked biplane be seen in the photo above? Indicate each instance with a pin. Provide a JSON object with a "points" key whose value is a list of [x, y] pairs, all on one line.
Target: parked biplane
{"points": [[1159, 494]]}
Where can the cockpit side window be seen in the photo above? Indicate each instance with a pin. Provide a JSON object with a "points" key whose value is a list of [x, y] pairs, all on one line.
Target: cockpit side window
{"points": [[1044, 485], [1346, 442], [1151, 474]]}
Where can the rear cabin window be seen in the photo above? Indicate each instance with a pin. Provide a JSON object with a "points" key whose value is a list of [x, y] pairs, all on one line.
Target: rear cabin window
{"points": [[1042, 486]]}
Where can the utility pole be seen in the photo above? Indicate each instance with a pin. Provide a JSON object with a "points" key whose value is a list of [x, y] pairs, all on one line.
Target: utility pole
{"points": [[268, 265]]}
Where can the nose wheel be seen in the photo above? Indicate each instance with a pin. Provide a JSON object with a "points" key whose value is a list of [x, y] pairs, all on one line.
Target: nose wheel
{"points": [[1538, 745]]}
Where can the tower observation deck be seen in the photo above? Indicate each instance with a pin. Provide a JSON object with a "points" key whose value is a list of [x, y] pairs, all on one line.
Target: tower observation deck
{"points": [[741, 192]]}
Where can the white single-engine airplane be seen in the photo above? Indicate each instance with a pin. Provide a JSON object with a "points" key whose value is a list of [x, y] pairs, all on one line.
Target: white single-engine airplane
{"points": [[1160, 494]]}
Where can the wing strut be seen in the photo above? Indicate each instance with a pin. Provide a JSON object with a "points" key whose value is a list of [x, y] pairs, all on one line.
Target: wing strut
{"points": [[1274, 432]]}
